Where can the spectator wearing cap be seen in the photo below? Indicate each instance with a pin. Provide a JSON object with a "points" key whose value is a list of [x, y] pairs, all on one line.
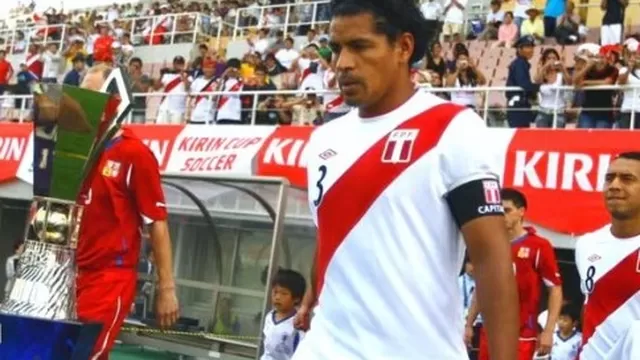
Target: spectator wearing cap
{"points": [[74, 76], [453, 19], [175, 83], [52, 61], [611, 29], [495, 18], [553, 9], [533, 25], [630, 75], [229, 106], [287, 55], [519, 113], [598, 110], [520, 12], [323, 47]]}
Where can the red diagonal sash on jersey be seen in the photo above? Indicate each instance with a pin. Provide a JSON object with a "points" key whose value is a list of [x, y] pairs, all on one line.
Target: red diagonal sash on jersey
{"points": [[354, 192], [206, 88], [337, 101], [225, 98], [171, 85], [610, 292]]}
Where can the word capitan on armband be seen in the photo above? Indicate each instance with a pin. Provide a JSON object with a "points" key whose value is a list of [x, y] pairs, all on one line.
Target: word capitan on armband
{"points": [[490, 209]]}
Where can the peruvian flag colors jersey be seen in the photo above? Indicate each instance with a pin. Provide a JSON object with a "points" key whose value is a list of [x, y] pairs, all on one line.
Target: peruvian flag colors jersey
{"points": [[610, 279], [333, 102], [389, 250], [230, 105], [202, 112], [535, 263], [175, 99]]}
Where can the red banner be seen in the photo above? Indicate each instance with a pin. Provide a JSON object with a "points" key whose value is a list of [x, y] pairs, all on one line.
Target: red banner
{"points": [[562, 174], [160, 139], [13, 144], [282, 155]]}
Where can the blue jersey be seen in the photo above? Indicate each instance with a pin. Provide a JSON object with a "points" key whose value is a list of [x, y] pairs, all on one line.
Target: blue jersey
{"points": [[280, 337]]}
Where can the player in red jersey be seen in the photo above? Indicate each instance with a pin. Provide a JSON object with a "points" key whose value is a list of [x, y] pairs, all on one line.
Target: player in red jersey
{"points": [[122, 196], [534, 263], [608, 261]]}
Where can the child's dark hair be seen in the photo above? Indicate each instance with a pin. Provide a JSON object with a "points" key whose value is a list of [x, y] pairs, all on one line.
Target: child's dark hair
{"points": [[292, 281], [570, 311]]}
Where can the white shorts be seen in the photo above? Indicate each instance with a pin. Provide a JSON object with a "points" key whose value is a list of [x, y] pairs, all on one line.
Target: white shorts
{"points": [[449, 29], [611, 34], [166, 117]]}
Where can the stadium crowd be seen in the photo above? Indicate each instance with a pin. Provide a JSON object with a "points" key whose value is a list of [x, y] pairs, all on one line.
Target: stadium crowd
{"points": [[277, 60]]}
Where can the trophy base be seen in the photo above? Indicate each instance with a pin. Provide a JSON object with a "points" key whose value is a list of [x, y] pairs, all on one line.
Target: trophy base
{"points": [[32, 338], [44, 284]]}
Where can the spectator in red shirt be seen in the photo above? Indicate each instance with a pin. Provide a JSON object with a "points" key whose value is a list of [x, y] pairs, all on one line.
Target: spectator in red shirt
{"points": [[102, 47], [6, 72], [123, 194], [534, 263]]}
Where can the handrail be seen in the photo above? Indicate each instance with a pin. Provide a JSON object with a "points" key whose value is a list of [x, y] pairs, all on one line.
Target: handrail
{"points": [[151, 22], [290, 13], [483, 91], [45, 30]]}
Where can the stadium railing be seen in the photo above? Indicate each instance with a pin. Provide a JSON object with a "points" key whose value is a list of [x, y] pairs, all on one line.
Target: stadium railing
{"points": [[145, 29], [18, 39], [494, 113], [296, 15]]}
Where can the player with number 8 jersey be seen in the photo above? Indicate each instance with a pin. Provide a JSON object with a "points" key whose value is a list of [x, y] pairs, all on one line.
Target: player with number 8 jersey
{"points": [[394, 187], [608, 261]]}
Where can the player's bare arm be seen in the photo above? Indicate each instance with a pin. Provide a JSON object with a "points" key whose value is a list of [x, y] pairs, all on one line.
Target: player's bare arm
{"points": [[554, 305], [166, 302], [488, 247]]}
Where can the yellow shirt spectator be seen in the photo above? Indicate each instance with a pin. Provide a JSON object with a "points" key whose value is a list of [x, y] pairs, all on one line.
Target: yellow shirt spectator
{"points": [[534, 25]]}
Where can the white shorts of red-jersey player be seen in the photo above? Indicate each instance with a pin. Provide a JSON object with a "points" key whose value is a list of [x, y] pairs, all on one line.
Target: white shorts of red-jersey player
{"points": [[174, 103], [389, 251], [610, 279]]}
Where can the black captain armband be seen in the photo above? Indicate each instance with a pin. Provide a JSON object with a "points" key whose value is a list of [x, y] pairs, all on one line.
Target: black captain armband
{"points": [[475, 199]]}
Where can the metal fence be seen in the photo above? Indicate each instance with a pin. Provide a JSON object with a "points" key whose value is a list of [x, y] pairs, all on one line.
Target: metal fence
{"points": [[491, 104]]}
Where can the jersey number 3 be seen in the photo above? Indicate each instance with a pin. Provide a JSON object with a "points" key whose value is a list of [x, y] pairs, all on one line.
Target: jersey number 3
{"points": [[323, 173]]}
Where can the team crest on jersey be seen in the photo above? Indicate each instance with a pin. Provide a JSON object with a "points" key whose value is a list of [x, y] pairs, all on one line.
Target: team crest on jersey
{"points": [[491, 192], [524, 253], [399, 146], [111, 169]]}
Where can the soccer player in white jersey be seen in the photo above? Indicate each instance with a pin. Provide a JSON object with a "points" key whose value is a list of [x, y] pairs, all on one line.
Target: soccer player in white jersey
{"points": [[392, 185], [281, 338], [608, 261], [567, 339]]}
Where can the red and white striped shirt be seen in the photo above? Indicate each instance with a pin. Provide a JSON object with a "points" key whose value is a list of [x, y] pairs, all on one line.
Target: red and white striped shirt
{"points": [[610, 279]]}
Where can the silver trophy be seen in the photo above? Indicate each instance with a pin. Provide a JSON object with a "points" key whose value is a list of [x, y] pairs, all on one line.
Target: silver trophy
{"points": [[44, 285], [71, 130]]}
